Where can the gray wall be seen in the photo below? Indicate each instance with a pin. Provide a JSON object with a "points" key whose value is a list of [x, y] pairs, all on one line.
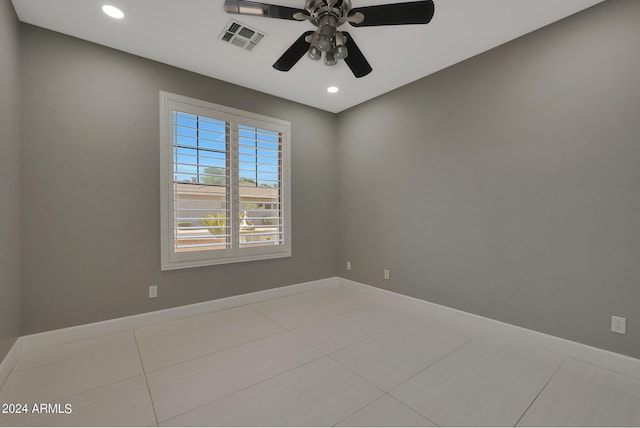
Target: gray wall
{"points": [[9, 177], [508, 185], [90, 171]]}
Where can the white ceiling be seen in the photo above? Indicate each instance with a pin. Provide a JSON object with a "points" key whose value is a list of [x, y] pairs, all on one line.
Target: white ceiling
{"points": [[184, 33]]}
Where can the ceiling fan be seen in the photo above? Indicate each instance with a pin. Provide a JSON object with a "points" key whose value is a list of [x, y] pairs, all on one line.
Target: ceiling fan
{"points": [[328, 16]]}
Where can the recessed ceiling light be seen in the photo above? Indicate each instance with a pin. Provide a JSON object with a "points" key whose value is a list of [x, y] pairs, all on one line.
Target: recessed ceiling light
{"points": [[332, 89], [113, 11]]}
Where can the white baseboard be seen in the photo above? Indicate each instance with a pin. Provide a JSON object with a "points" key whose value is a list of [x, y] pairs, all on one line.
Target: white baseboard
{"points": [[71, 334], [599, 357], [9, 361], [606, 359]]}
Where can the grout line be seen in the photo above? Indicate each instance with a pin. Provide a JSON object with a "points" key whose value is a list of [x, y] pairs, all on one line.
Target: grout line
{"points": [[258, 312], [329, 355], [246, 387], [634, 378], [75, 333], [358, 340], [144, 373], [540, 392], [468, 341], [463, 344], [360, 408], [257, 339], [386, 394], [322, 354], [379, 388], [355, 342], [348, 311], [186, 319], [406, 380], [625, 365], [418, 413], [485, 339], [105, 385], [592, 382], [284, 330], [74, 357]]}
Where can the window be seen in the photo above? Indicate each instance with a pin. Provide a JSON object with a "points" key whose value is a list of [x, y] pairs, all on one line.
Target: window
{"points": [[225, 184]]}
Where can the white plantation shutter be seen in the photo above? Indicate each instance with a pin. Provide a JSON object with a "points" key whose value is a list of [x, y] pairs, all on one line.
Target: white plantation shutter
{"points": [[201, 183], [260, 178], [225, 184]]}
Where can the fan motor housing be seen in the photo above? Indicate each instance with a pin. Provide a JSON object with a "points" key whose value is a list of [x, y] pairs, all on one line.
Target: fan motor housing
{"points": [[328, 16]]}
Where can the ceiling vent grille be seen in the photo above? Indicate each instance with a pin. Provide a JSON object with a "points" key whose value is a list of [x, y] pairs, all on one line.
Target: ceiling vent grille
{"points": [[241, 35]]}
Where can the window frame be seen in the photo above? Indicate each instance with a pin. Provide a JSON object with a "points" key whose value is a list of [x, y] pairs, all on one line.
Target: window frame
{"points": [[171, 259]]}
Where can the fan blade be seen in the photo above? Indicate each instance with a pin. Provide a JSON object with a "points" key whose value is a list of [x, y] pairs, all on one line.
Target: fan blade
{"points": [[355, 59], [243, 7], [294, 53], [417, 12]]}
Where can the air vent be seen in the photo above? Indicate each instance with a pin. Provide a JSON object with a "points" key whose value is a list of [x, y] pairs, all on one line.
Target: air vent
{"points": [[241, 35]]}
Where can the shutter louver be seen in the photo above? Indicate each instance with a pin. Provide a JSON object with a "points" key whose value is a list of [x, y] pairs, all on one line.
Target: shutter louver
{"points": [[260, 184], [201, 190]]}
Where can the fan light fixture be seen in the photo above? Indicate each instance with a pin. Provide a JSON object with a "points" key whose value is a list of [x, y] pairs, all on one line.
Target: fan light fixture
{"points": [[113, 11], [332, 89], [328, 16]]}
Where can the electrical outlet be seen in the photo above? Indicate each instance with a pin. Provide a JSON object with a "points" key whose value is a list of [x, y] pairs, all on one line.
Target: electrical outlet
{"points": [[348, 265], [619, 325], [387, 274], [153, 291]]}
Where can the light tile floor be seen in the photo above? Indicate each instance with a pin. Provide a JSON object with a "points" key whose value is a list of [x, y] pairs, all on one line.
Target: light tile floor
{"points": [[321, 358]]}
